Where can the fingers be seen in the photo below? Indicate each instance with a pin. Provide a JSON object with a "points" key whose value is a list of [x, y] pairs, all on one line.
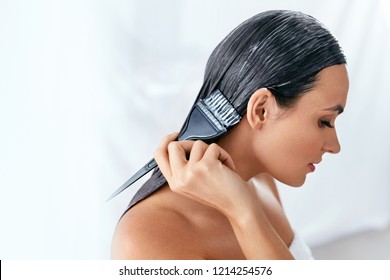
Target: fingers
{"points": [[161, 155], [195, 150], [216, 152], [171, 155], [178, 153], [198, 149]]}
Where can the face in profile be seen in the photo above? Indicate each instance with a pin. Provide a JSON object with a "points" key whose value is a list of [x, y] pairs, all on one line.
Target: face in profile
{"points": [[294, 140]]}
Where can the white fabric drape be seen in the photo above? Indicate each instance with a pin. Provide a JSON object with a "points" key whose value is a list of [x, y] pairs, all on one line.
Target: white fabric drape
{"points": [[88, 88]]}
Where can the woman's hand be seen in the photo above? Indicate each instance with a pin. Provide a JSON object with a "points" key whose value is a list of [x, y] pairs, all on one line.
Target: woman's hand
{"points": [[204, 173]]}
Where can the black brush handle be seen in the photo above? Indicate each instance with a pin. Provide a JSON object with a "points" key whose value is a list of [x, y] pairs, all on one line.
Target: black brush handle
{"points": [[201, 126], [144, 170]]}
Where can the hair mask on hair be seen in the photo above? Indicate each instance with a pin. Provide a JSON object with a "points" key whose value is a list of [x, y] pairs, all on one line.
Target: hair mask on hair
{"points": [[279, 50]]}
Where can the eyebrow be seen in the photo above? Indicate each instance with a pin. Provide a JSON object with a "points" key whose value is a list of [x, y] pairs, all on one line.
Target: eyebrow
{"points": [[337, 108]]}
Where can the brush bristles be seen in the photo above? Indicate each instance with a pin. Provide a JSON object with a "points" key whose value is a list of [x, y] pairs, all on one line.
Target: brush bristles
{"points": [[221, 108]]}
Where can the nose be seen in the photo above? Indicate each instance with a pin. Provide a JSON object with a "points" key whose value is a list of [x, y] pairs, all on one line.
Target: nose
{"points": [[332, 144]]}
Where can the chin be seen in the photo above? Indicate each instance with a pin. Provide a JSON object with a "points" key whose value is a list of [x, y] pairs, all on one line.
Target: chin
{"points": [[293, 182], [297, 185]]}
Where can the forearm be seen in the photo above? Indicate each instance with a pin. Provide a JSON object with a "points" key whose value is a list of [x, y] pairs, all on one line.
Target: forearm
{"points": [[256, 236]]}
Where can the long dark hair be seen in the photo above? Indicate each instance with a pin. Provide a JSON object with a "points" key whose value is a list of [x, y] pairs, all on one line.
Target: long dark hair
{"points": [[279, 50]]}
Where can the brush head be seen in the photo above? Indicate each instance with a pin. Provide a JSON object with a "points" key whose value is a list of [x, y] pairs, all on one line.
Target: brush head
{"points": [[222, 109], [210, 118]]}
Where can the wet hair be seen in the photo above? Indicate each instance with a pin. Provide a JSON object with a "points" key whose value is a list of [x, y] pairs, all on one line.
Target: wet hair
{"points": [[280, 50]]}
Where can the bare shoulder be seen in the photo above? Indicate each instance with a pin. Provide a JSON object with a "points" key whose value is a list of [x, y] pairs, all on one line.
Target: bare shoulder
{"points": [[148, 231]]}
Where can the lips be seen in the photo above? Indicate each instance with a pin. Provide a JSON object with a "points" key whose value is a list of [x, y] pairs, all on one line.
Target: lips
{"points": [[311, 167]]}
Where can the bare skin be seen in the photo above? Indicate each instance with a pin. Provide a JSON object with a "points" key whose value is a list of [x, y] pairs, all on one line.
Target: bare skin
{"points": [[170, 226], [212, 208]]}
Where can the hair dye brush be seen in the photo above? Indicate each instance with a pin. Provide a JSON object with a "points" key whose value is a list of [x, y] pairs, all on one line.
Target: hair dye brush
{"points": [[209, 119]]}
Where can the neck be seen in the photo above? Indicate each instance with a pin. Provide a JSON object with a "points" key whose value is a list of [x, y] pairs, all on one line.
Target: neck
{"points": [[238, 144]]}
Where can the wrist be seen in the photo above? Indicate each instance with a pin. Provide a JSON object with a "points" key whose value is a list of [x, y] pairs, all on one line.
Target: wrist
{"points": [[246, 212], [257, 238]]}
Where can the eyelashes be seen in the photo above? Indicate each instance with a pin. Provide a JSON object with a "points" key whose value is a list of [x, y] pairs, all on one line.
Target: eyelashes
{"points": [[324, 123]]}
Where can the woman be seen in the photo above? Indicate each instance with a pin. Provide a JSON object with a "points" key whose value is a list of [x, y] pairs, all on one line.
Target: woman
{"points": [[285, 74]]}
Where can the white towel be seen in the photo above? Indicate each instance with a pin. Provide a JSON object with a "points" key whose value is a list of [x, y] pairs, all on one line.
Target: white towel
{"points": [[299, 248]]}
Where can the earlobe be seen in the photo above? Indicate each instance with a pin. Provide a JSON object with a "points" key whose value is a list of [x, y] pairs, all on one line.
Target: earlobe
{"points": [[258, 108]]}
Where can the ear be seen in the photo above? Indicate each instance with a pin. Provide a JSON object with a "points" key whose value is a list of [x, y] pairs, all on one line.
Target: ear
{"points": [[260, 106]]}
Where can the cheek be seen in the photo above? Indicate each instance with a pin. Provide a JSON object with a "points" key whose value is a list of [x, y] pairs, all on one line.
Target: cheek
{"points": [[304, 144], [285, 154]]}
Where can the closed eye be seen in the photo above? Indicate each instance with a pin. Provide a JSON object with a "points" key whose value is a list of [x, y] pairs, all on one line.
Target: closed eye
{"points": [[324, 123]]}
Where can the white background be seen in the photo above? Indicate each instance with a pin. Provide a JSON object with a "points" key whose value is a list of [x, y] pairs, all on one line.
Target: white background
{"points": [[88, 88]]}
